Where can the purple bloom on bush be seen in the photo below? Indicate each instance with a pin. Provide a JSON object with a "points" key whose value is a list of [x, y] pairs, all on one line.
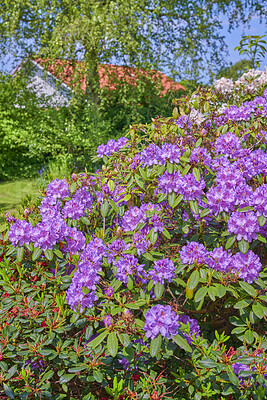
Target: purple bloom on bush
{"points": [[75, 240], [132, 218], [169, 152], [194, 327], [151, 155], [220, 260], [248, 266], [116, 248], [194, 253], [58, 189], [244, 225], [128, 265], [108, 321], [73, 209], [169, 183], [10, 219], [200, 155], [109, 292], [228, 144], [20, 233], [161, 320], [163, 269], [259, 200], [111, 147], [84, 197], [141, 243]]}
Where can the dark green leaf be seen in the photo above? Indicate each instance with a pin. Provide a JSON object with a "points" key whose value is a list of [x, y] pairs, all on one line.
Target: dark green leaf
{"points": [[20, 251], [96, 341], [248, 288], [155, 345], [8, 391], [208, 363], [49, 254], [36, 253], [66, 378], [193, 280], [201, 293], [230, 242], [158, 290], [182, 342], [243, 246], [112, 344]]}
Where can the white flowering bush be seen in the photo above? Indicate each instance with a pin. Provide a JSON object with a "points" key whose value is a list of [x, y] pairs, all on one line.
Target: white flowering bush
{"points": [[159, 264]]}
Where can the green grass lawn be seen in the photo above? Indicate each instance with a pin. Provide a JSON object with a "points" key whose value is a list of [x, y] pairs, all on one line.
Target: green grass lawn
{"points": [[12, 193]]}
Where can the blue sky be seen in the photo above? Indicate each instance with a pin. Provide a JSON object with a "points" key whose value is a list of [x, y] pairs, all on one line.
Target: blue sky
{"points": [[232, 39]]}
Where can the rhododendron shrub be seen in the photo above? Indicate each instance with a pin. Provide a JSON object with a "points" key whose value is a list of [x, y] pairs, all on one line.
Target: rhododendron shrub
{"points": [[164, 251]]}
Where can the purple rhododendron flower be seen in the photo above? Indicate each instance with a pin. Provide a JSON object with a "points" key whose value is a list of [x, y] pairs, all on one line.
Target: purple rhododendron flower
{"points": [[161, 320], [10, 219], [111, 147], [228, 144], [163, 269], [75, 240], [58, 189], [20, 233], [193, 253], [128, 265], [194, 327], [248, 266], [220, 260], [108, 321], [244, 225]]}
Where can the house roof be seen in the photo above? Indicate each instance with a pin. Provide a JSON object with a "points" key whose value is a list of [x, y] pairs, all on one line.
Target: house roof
{"points": [[109, 75]]}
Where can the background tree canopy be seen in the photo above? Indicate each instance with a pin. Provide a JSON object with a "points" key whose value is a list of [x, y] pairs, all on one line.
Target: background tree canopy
{"points": [[181, 36]]}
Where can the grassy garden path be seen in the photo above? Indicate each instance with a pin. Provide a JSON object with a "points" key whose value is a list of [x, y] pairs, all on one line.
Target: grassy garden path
{"points": [[12, 193]]}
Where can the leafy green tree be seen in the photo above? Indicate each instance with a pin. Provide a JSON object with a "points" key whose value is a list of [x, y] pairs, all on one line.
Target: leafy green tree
{"points": [[234, 71], [183, 36]]}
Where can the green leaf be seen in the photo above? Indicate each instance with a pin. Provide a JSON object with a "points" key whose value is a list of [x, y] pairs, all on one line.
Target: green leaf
{"points": [[111, 185], [114, 205], [49, 254], [182, 342], [139, 182], [155, 345], [208, 363], [8, 391], [261, 238], [85, 220], [166, 233], [112, 344], [124, 339], [66, 378], [196, 174], [262, 220], [206, 106], [230, 242], [171, 199], [148, 256], [153, 236], [201, 293], [221, 290], [242, 304], [212, 293], [58, 253], [96, 341], [20, 251], [204, 212], [198, 142], [258, 310], [243, 246], [194, 206], [233, 379], [98, 376], [104, 208], [249, 336], [248, 288], [170, 167], [193, 280], [36, 253], [158, 290]]}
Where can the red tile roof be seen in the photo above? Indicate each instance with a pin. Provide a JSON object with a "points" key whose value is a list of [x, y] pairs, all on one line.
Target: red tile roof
{"points": [[108, 74]]}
